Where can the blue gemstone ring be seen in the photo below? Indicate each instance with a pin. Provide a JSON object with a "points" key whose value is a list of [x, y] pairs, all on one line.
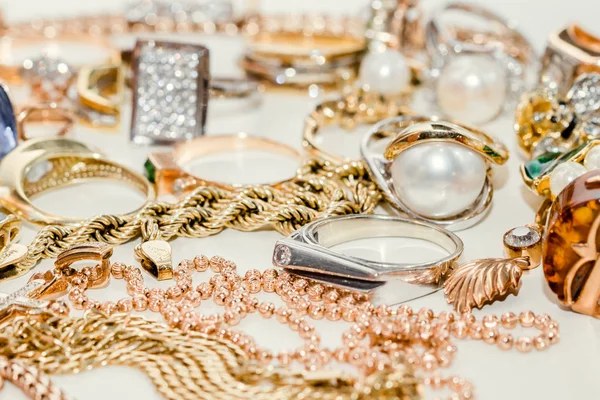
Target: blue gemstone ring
{"points": [[8, 123]]}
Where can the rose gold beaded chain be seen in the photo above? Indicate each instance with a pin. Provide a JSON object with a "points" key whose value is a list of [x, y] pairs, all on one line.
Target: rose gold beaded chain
{"points": [[379, 338], [32, 382]]}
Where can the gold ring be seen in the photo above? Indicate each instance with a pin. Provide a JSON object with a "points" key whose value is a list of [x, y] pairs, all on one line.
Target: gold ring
{"points": [[537, 172], [347, 113], [164, 168], [39, 165], [45, 113], [232, 88], [434, 131], [100, 92], [96, 85], [300, 51]]}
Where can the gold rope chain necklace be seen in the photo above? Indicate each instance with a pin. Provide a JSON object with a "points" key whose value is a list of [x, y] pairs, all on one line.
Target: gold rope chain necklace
{"points": [[320, 189]]}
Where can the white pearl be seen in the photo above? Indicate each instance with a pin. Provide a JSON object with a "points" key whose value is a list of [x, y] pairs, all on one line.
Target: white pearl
{"points": [[385, 72], [472, 88], [592, 159], [438, 179], [564, 174]]}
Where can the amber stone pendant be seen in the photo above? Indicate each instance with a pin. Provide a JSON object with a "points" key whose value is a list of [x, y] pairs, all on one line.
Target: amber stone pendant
{"points": [[571, 246]]}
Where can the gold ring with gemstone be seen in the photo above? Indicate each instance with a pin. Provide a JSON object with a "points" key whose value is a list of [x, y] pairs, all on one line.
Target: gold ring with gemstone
{"points": [[165, 168], [549, 122], [39, 165], [538, 172]]}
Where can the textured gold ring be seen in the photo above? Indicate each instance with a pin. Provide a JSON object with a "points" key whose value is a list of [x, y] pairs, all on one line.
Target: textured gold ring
{"points": [[40, 165]]}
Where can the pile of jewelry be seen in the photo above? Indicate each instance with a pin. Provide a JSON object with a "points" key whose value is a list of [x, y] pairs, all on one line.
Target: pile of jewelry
{"points": [[420, 177]]}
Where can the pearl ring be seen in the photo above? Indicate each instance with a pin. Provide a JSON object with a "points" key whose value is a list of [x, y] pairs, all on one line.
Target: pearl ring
{"points": [[434, 171], [479, 63]]}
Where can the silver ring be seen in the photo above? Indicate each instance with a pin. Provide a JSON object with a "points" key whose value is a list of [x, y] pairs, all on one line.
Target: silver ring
{"points": [[307, 252], [387, 139], [493, 36], [232, 88]]}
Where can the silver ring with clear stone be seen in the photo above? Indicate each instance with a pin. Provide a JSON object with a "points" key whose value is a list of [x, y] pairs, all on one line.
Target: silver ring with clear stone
{"points": [[308, 252]]}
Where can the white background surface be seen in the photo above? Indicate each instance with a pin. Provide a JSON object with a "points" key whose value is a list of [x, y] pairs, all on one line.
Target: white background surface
{"points": [[569, 370]]}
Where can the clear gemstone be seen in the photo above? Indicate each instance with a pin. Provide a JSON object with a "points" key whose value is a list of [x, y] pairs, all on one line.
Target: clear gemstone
{"points": [[585, 94], [282, 255], [591, 125], [38, 171], [552, 76], [522, 236], [551, 144], [96, 118], [52, 75], [178, 186]]}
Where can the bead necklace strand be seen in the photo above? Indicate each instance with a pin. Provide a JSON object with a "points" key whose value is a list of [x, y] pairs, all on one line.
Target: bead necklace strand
{"points": [[379, 338]]}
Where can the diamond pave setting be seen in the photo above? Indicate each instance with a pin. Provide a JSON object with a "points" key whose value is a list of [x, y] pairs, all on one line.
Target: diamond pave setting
{"points": [[170, 94], [585, 94], [522, 237]]}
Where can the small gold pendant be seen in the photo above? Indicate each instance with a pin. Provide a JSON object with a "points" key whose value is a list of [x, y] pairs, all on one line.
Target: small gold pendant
{"points": [[483, 281], [155, 257], [12, 254], [9, 257]]}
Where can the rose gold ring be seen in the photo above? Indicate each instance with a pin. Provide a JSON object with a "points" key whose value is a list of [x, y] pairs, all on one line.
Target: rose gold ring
{"points": [[165, 168], [39, 63], [11, 66], [570, 52], [45, 114]]}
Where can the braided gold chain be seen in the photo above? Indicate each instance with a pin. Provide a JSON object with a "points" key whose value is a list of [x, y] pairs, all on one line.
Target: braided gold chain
{"points": [[182, 365], [320, 189]]}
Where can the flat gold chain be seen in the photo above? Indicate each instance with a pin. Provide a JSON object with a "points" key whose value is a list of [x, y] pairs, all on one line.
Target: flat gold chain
{"points": [[182, 365], [320, 189]]}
